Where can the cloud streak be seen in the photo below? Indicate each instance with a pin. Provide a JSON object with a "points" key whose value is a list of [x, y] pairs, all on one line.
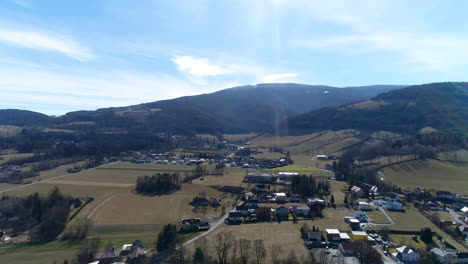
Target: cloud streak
{"points": [[46, 42]]}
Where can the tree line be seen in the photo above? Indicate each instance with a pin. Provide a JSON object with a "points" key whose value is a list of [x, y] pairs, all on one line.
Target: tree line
{"points": [[158, 184], [308, 186]]}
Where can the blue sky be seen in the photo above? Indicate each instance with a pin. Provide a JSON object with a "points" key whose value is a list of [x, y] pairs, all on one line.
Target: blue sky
{"points": [[59, 56]]}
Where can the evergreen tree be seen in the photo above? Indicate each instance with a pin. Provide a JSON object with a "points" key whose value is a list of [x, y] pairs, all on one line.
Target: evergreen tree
{"points": [[332, 200], [198, 256]]}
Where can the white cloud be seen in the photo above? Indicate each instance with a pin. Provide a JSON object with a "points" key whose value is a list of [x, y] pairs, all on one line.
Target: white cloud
{"points": [[46, 42], [281, 77], [198, 67]]}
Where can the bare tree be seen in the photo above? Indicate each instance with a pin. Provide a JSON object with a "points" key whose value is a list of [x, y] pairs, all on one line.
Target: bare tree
{"points": [[292, 258], [244, 249], [275, 250], [260, 251], [234, 251], [223, 242]]}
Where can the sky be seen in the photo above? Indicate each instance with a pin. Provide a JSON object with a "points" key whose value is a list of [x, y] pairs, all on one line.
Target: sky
{"points": [[58, 56]]}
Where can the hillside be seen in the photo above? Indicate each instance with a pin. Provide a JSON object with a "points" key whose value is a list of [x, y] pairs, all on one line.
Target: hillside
{"points": [[14, 117], [258, 108], [406, 110]]}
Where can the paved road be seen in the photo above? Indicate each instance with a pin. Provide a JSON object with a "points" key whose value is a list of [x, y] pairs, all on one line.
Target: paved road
{"points": [[54, 178], [389, 218], [385, 259], [456, 216]]}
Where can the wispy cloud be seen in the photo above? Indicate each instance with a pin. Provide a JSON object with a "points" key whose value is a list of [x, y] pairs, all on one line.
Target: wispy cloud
{"points": [[46, 42], [198, 67], [281, 77]]}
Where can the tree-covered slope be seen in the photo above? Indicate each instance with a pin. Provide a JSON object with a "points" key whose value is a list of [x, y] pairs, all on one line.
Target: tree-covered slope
{"points": [[407, 110]]}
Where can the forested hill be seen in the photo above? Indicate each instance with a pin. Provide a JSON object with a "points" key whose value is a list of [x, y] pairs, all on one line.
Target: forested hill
{"points": [[16, 117], [259, 108], [407, 110]]}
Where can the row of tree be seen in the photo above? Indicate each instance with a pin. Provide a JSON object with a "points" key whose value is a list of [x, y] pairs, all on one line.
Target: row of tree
{"points": [[158, 184], [307, 186]]}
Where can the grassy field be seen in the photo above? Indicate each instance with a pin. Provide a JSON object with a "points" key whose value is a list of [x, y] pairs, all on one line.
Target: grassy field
{"points": [[9, 131], [302, 170], [239, 137], [377, 217], [412, 220], [407, 240], [326, 143], [458, 155], [40, 257], [276, 141], [429, 174], [9, 157]]}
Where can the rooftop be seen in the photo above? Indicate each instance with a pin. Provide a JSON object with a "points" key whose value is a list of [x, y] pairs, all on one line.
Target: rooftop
{"points": [[332, 231]]}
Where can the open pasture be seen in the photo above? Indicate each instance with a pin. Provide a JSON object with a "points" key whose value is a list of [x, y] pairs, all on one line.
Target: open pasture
{"points": [[429, 174], [278, 141], [326, 143]]}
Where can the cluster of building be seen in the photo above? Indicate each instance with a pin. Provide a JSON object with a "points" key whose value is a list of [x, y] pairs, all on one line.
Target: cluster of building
{"points": [[206, 201], [130, 253], [263, 207], [193, 224], [283, 178], [410, 255], [8, 171]]}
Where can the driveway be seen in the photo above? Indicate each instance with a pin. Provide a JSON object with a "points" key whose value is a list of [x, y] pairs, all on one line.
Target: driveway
{"points": [[456, 216], [389, 218]]}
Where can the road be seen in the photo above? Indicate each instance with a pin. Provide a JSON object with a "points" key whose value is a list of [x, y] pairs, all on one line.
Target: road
{"points": [[53, 178], [385, 259], [389, 218], [456, 216]]}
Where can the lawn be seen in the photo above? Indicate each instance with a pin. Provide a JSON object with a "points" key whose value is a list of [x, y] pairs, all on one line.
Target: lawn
{"points": [[408, 240], [40, 257], [412, 220], [377, 217], [429, 174], [10, 157]]}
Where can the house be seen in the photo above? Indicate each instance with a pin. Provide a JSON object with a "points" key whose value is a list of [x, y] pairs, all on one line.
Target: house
{"points": [[321, 157], [189, 224], [280, 197], [259, 188], [464, 210], [463, 229], [406, 254], [313, 238], [253, 202], [295, 199], [126, 249], [136, 252], [432, 205], [443, 256], [302, 211], [359, 235], [282, 213], [348, 248], [215, 201], [358, 191], [394, 204], [374, 190], [287, 176], [354, 223], [361, 216], [364, 206], [235, 218], [333, 235], [316, 206], [243, 210], [444, 195], [462, 258], [344, 237]]}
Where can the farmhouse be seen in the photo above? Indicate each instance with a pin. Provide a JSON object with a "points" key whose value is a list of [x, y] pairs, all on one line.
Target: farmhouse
{"points": [[235, 218], [406, 254], [358, 191], [190, 224]]}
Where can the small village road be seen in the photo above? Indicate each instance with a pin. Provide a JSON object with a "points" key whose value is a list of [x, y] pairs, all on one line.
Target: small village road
{"points": [[456, 216], [389, 218]]}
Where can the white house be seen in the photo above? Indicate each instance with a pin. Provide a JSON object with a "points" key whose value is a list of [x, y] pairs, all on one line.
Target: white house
{"points": [[444, 257], [393, 204], [280, 197], [406, 255], [364, 206], [465, 212], [361, 216]]}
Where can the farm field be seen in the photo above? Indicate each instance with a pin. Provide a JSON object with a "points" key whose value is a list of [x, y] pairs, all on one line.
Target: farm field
{"points": [[458, 155], [9, 131], [40, 257], [276, 141], [428, 174], [302, 170], [8, 157], [327, 143], [239, 137]]}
